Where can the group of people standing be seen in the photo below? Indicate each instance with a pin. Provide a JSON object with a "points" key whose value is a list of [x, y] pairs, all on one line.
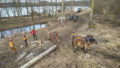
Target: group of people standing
{"points": [[11, 43], [53, 36]]}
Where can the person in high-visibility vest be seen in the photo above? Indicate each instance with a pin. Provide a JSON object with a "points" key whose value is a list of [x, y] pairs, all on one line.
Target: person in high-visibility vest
{"points": [[25, 40], [12, 46], [48, 35], [73, 36], [94, 26]]}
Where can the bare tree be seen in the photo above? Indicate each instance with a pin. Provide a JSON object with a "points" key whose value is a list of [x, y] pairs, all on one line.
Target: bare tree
{"points": [[72, 4], [56, 8], [27, 7], [62, 13]]}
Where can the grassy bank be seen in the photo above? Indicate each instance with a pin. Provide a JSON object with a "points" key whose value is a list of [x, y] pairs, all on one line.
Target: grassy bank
{"points": [[10, 23]]}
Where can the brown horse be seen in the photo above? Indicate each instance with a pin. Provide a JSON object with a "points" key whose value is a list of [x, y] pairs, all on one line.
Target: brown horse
{"points": [[78, 41], [84, 43]]}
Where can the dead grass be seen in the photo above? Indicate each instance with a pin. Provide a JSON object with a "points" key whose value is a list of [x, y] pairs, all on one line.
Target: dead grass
{"points": [[12, 23], [105, 54]]}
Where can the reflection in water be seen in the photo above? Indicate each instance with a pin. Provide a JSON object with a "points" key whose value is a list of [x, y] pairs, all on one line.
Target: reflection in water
{"points": [[8, 33]]}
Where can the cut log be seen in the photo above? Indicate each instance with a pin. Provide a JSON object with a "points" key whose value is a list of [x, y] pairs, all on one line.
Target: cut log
{"points": [[37, 58], [21, 56]]}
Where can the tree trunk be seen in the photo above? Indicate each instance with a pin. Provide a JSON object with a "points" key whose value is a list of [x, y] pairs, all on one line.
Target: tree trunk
{"points": [[56, 9], [72, 4], [62, 13], [33, 61]]}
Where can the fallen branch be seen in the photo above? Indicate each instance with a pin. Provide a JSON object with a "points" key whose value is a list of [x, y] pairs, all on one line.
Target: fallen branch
{"points": [[27, 65]]}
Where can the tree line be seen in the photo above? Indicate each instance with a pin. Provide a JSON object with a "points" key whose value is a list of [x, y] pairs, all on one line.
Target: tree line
{"points": [[108, 7], [17, 4], [43, 3]]}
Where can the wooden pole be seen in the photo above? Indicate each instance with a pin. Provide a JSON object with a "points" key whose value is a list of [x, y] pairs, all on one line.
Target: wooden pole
{"points": [[92, 7], [37, 58]]}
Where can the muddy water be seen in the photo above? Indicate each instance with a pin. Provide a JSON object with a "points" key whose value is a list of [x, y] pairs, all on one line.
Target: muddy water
{"points": [[8, 33]]}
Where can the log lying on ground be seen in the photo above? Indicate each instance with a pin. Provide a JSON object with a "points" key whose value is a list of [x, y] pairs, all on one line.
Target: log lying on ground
{"points": [[27, 65], [21, 56]]}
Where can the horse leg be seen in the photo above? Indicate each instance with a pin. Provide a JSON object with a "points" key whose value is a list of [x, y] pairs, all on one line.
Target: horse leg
{"points": [[75, 49], [85, 48], [75, 46]]}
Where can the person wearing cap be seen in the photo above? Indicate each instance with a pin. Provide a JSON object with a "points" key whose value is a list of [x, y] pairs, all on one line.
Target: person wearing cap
{"points": [[12, 46], [73, 36], [25, 40], [33, 32]]}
